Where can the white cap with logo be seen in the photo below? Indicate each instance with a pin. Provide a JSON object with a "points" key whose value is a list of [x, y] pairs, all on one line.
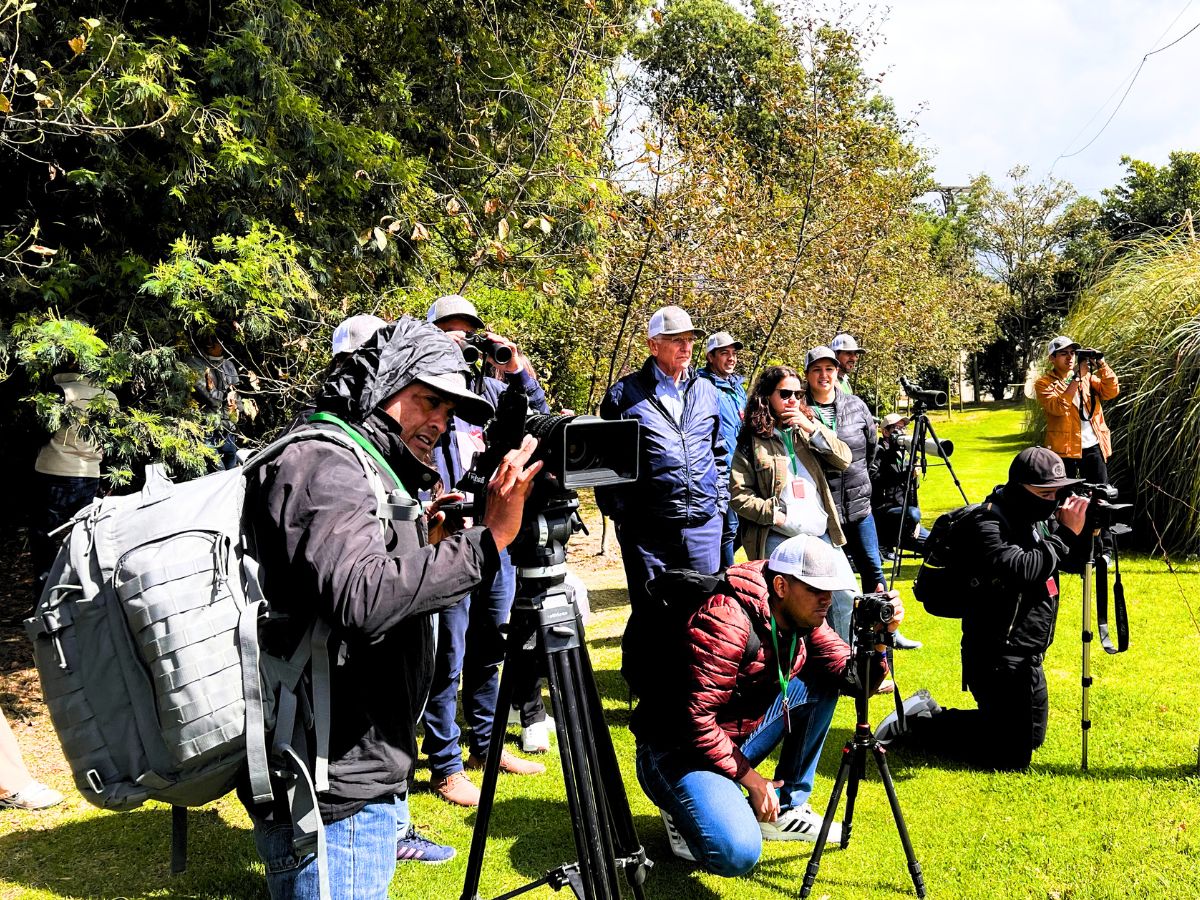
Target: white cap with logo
{"points": [[811, 560]]}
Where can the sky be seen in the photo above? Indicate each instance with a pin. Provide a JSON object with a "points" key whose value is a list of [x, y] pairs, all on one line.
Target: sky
{"points": [[997, 83]]}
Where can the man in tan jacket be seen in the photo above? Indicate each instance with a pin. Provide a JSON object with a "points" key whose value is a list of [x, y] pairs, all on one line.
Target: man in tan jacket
{"points": [[1071, 397]]}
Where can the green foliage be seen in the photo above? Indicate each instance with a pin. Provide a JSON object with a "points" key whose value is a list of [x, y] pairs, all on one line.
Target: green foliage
{"points": [[1151, 197]]}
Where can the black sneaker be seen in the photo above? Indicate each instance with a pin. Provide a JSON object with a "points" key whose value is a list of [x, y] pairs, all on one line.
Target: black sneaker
{"points": [[415, 847]]}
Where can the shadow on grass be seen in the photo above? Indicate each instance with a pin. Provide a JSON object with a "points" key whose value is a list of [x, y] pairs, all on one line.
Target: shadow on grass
{"points": [[608, 598], [786, 875], [542, 840], [119, 855]]}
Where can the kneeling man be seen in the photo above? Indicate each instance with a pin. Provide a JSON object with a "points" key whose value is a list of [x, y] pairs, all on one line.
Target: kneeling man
{"points": [[756, 665]]}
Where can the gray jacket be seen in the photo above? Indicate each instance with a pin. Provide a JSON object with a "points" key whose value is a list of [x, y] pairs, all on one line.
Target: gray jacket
{"points": [[852, 488]]}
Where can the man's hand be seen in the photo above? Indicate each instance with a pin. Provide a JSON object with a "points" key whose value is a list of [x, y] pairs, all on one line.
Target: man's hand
{"points": [[897, 617], [1073, 513], [764, 796], [510, 485], [439, 528]]}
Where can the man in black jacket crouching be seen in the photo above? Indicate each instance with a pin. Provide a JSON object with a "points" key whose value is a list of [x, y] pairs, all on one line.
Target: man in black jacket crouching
{"points": [[1013, 545]]}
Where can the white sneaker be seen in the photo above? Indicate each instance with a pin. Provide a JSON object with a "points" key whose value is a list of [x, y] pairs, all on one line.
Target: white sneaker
{"points": [[800, 823], [535, 738], [919, 704], [514, 718], [678, 845]]}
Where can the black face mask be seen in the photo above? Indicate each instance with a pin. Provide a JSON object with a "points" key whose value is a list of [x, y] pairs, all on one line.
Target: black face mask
{"points": [[1026, 505]]}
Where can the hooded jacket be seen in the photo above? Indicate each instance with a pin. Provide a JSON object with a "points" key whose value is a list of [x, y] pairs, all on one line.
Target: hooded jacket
{"points": [[718, 697], [683, 476], [731, 402], [323, 553]]}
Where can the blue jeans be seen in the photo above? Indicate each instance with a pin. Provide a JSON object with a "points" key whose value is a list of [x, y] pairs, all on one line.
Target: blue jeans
{"points": [[729, 538], [226, 448], [904, 522], [360, 856], [710, 810], [470, 646], [862, 545], [61, 497]]}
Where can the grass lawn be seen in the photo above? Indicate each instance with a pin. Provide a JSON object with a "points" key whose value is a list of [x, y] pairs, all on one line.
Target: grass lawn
{"points": [[1123, 829]]}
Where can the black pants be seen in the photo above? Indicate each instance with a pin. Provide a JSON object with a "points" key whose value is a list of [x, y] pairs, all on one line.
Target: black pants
{"points": [[1009, 724], [1090, 467]]}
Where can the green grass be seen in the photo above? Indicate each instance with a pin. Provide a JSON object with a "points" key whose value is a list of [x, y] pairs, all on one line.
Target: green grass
{"points": [[1123, 829]]}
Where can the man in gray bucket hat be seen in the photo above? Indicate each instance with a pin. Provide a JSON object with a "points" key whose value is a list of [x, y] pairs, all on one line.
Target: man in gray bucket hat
{"points": [[328, 552]]}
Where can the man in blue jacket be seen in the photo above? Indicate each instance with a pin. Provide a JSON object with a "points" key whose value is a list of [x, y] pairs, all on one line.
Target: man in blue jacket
{"points": [[721, 352], [673, 515]]}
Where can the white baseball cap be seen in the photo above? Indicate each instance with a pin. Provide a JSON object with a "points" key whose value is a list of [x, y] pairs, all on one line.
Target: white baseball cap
{"points": [[672, 320], [812, 561], [721, 339], [354, 332], [845, 343], [454, 305]]}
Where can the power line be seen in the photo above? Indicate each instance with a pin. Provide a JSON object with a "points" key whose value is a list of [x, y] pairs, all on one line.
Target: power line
{"points": [[1132, 79]]}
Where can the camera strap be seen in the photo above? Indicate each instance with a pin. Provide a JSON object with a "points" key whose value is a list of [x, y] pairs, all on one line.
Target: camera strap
{"points": [[1119, 613]]}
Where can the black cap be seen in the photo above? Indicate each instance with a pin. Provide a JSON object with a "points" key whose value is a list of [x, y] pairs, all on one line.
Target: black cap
{"points": [[1040, 468]]}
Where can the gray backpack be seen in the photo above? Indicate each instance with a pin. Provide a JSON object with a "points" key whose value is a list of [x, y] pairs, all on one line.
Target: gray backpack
{"points": [[146, 638]]}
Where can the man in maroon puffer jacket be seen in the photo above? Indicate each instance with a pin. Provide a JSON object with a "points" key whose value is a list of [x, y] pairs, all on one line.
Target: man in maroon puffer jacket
{"points": [[750, 670]]}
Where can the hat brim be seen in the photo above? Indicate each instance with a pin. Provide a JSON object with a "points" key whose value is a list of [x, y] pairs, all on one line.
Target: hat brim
{"points": [[467, 405], [1057, 483], [897, 423], [474, 320], [828, 582], [698, 332]]}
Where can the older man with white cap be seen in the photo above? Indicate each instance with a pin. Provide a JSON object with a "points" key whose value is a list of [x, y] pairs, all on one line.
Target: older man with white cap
{"points": [[754, 666], [721, 354], [673, 515]]}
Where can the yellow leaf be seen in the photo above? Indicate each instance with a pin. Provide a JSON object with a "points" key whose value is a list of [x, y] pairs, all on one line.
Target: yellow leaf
{"points": [[5, 106], [77, 44], [453, 207], [502, 229], [491, 205], [656, 15], [549, 288], [544, 224], [420, 232]]}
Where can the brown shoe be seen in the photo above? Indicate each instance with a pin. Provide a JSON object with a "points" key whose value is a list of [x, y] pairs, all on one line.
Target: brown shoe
{"points": [[510, 763], [456, 788]]}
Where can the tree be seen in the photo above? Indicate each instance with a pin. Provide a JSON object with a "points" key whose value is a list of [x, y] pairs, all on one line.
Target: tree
{"points": [[1020, 233], [1152, 197], [265, 167]]}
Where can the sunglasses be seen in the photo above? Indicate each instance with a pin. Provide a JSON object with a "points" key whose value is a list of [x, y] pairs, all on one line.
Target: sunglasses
{"points": [[786, 395]]}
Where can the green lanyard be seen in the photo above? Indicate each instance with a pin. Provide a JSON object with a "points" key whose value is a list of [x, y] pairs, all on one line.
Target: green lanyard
{"points": [[791, 449], [783, 680], [831, 422], [358, 438]]}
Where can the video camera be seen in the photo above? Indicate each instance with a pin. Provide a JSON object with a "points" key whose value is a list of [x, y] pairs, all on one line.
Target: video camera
{"points": [[926, 399], [577, 451]]}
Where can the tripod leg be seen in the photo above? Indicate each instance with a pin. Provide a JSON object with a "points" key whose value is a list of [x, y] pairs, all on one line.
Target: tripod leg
{"points": [[611, 784], [914, 867], [814, 862], [946, 460], [857, 771], [1085, 722], [491, 770], [597, 868]]}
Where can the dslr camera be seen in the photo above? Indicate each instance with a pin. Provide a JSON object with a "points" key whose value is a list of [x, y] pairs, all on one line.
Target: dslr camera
{"points": [[1103, 511]]}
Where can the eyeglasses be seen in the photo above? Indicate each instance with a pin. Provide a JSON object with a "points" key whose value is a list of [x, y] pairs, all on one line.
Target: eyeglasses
{"points": [[786, 395]]}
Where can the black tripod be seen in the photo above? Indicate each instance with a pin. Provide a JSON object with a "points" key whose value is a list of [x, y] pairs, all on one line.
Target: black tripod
{"points": [[545, 631], [923, 438], [854, 768]]}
